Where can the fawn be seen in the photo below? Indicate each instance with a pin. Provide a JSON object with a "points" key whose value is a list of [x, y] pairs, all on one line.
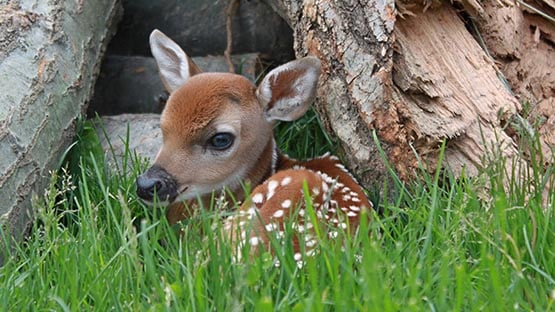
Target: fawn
{"points": [[218, 134]]}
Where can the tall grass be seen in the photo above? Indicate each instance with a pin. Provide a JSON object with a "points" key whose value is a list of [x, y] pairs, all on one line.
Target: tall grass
{"points": [[443, 244]]}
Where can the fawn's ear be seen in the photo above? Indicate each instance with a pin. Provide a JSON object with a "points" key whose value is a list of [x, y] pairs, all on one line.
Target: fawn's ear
{"points": [[288, 90], [174, 65]]}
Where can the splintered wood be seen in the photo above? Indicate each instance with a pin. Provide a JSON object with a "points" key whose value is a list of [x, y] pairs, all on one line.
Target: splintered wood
{"points": [[416, 80], [447, 88]]}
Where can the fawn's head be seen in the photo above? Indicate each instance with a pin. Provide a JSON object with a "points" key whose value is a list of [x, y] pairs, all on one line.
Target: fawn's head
{"points": [[217, 127]]}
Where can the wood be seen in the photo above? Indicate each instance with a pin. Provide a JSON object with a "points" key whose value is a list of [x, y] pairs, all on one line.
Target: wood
{"points": [[199, 26], [50, 53], [354, 41], [448, 92], [521, 39], [416, 81]]}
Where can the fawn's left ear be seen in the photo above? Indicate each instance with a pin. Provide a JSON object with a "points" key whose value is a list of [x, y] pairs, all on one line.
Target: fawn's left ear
{"points": [[288, 90], [175, 66]]}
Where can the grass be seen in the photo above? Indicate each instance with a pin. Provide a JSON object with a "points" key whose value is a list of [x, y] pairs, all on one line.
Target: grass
{"points": [[443, 244]]}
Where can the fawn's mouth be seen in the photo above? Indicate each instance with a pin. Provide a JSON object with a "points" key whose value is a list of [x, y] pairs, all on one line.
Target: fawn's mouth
{"points": [[181, 194]]}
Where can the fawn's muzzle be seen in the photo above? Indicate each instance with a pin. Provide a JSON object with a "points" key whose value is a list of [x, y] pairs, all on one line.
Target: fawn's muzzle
{"points": [[156, 182]]}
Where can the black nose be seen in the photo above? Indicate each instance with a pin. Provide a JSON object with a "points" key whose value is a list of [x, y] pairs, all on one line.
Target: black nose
{"points": [[156, 182], [147, 187]]}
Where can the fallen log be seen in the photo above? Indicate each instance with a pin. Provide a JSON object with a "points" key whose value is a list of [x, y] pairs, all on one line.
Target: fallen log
{"points": [[50, 53]]}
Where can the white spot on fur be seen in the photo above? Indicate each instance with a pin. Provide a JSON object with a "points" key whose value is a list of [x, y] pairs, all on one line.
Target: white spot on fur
{"points": [[302, 212], [315, 191], [252, 211], [299, 228], [254, 241], [271, 227], [351, 214], [346, 197], [333, 234], [278, 214], [258, 198], [286, 181], [325, 187], [311, 243], [272, 185], [297, 256], [343, 225], [286, 204], [355, 199], [354, 208]]}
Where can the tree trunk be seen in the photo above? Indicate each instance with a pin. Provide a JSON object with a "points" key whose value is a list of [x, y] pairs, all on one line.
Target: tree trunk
{"points": [[416, 80], [354, 41], [50, 53]]}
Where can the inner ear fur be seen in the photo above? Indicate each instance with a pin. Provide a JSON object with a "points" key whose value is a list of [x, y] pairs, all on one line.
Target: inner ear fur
{"points": [[174, 65], [288, 90]]}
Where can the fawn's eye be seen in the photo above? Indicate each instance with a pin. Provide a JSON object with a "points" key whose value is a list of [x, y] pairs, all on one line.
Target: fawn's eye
{"points": [[221, 141]]}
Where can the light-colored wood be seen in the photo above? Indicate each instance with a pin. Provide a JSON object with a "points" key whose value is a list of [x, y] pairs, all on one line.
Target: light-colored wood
{"points": [[50, 52], [447, 89], [416, 81]]}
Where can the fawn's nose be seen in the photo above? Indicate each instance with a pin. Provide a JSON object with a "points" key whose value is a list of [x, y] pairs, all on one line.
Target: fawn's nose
{"points": [[156, 182]]}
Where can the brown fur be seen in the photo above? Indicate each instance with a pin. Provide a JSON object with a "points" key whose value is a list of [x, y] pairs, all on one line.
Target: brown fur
{"points": [[204, 104]]}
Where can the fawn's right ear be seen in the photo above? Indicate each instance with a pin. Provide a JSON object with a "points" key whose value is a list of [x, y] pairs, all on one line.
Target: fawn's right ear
{"points": [[174, 65]]}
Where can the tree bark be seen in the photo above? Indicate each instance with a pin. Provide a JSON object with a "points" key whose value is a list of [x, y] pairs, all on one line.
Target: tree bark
{"points": [[417, 81], [354, 40], [50, 53]]}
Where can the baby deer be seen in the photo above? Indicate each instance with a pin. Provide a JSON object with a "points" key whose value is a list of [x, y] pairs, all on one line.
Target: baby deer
{"points": [[217, 134]]}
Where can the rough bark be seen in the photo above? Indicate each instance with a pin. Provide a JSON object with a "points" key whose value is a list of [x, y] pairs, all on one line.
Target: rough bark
{"points": [[416, 81], [354, 40], [49, 55]]}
